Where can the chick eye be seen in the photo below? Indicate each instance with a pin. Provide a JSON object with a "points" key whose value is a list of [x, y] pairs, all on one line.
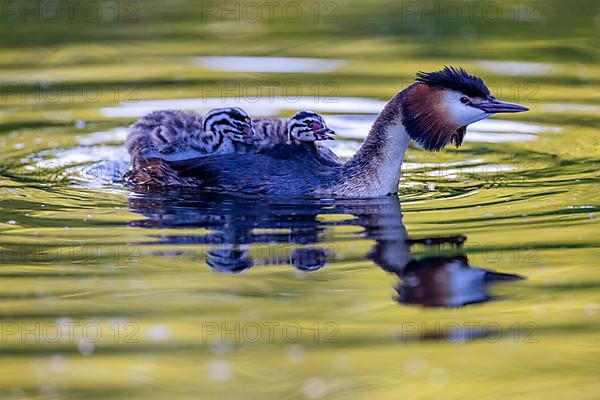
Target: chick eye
{"points": [[464, 99], [316, 126]]}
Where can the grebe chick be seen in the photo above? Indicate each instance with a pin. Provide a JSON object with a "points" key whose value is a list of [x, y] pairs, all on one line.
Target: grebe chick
{"points": [[177, 135], [303, 128], [434, 111]]}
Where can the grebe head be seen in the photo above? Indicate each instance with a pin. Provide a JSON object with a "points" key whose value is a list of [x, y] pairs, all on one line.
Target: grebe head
{"points": [[233, 123], [438, 108], [308, 126]]}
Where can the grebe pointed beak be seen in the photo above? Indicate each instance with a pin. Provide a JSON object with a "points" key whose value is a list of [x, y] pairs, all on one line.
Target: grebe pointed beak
{"points": [[494, 106]]}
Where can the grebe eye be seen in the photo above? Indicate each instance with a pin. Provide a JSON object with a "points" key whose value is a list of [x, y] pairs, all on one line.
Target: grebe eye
{"points": [[316, 126], [464, 99]]}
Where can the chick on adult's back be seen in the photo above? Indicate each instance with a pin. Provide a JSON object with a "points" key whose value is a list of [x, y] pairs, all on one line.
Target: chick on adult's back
{"points": [[168, 135]]}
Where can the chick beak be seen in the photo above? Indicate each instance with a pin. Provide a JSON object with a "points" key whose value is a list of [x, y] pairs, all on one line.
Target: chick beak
{"points": [[324, 134], [494, 106]]}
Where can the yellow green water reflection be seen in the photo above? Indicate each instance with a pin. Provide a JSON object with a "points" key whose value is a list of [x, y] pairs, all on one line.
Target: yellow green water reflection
{"points": [[144, 277]]}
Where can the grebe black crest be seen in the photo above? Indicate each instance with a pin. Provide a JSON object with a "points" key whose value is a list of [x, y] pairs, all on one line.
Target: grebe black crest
{"points": [[456, 79], [434, 111]]}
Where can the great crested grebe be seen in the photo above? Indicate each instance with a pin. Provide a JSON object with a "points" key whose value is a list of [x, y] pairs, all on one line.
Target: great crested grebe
{"points": [[434, 111]]}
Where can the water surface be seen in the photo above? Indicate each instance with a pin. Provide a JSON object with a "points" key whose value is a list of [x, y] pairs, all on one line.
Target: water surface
{"points": [[479, 280]]}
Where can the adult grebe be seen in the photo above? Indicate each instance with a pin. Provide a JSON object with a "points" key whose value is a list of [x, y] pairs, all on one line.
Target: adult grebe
{"points": [[433, 111]]}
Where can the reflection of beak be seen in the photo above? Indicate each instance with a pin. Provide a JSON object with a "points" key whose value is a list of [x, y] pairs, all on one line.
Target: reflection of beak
{"points": [[325, 134], [494, 106]]}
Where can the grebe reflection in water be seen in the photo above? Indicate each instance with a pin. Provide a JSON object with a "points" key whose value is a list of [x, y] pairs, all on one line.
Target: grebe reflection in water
{"points": [[297, 235]]}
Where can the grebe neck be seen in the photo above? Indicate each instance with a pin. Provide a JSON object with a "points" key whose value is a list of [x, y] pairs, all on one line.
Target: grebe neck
{"points": [[374, 170]]}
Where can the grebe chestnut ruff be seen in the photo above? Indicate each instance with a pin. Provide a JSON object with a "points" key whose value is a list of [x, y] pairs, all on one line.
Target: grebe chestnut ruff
{"points": [[434, 111]]}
